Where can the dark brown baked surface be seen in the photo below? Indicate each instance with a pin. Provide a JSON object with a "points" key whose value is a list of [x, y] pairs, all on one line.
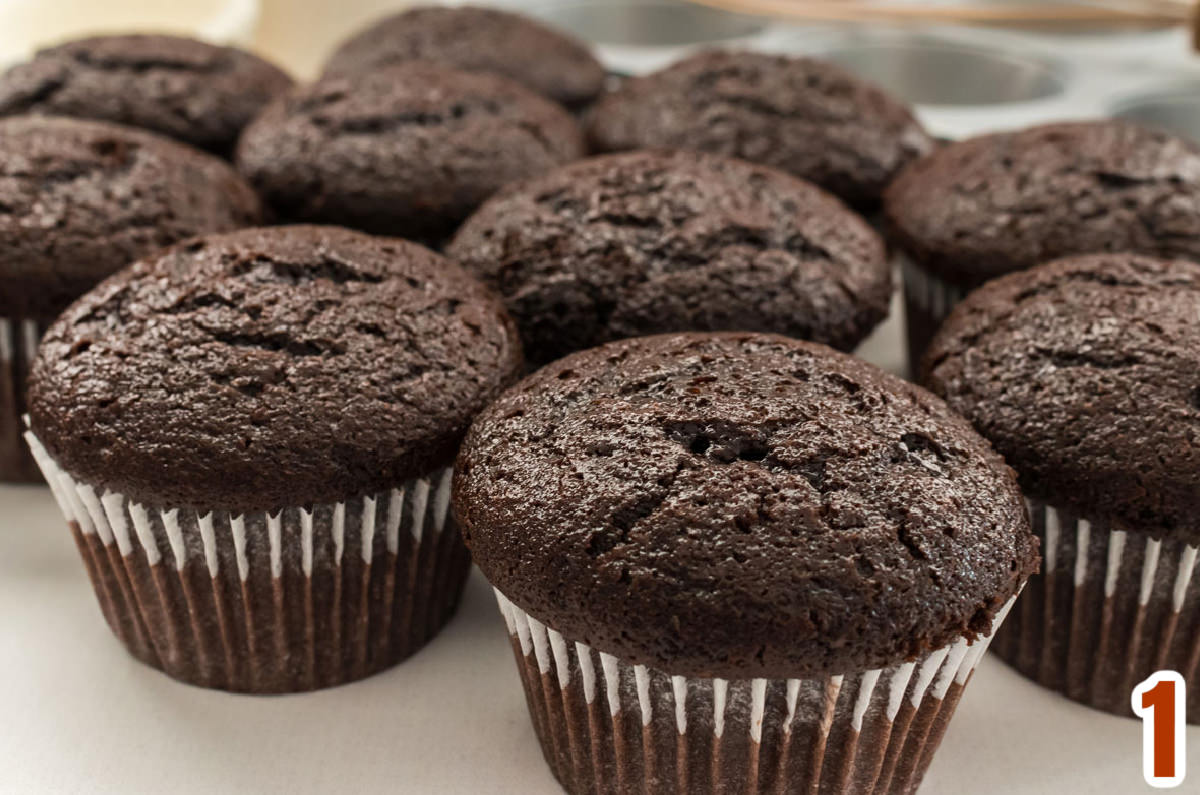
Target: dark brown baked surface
{"points": [[740, 505], [81, 199], [646, 242], [477, 39], [269, 368], [407, 150], [806, 117], [987, 206], [1085, 375], [189, 90]]}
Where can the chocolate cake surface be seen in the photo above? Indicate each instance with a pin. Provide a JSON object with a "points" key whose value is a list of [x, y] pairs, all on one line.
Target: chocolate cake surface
{"points": [[986, 206], [186, 89], [646, 242], [81, 199], [807, 117], [268, 368], [477, 39], [407, 150], [740, 505], [1085, 374]]}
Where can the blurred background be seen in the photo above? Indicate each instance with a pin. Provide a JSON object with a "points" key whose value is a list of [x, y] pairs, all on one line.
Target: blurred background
{"points": [[967, 65]]}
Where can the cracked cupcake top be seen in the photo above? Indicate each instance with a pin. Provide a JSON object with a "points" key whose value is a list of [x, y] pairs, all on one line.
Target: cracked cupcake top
{"points": [[269, 368], [477, 39], [991, 205], [187, 89], [408, 150], [806, 117], [740, 505], [81, 199], [647, 242], [1085, 374]]}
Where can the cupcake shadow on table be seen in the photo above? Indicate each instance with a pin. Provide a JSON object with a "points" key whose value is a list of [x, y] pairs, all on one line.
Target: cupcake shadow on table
{"points": [[250, 436], [1085, 375], [739, 561]]}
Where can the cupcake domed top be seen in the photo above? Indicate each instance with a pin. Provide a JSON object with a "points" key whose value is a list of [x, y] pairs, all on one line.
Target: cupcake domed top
{"points": [[645, 242], [189, 90], [740, 505], [1085, 375], [270, 367], [807, 117], [477, 39], [409, 149], [81, 199], [986, 206]]}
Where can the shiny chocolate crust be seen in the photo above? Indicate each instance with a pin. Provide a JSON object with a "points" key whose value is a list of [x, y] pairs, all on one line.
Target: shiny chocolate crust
{"points": [[405, 150], [740, 505], [999, 203], [477, 39], [81, 199], [1085, 374], [189, 90], [270, 368], [648, 242], [809, 118]]}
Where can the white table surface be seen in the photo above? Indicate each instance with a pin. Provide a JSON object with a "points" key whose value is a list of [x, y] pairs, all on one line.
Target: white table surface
{"points": [[77, 714]]}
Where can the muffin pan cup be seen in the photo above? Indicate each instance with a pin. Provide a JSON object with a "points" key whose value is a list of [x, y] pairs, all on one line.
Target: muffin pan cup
{"points": [[609, 726], [18, 347], [1110, 608], [927, 302], [309, 597]]}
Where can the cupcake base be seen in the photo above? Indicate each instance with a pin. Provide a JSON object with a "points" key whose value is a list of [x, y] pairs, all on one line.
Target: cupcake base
{"points": [[1110, 608], [298, 600], [608, 726], [18, 346], [927, 302]]}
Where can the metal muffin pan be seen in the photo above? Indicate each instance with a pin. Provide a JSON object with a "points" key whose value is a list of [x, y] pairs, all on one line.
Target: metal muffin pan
{"points": [[927, 70], [637, 36], [1175, 108], [962, 81]]}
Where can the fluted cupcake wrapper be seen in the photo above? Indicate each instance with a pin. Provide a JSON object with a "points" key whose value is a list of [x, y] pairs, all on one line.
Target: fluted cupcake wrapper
{"points": [[1110, 608], [300, 599], [928, 300], [609, 726], [18, 347]]}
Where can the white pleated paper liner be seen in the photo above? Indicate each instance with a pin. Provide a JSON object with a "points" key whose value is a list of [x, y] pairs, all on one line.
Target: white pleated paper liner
{"points": [[1110, 608], [263, 603], [607, 726], [928, 301], [18, 347]]}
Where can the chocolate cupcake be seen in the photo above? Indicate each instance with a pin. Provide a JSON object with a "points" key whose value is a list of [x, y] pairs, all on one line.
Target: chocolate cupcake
{"points": [[647, 242], [476, 39], [78, 201], [987, 206], [806, 117], [1085, 375], [250, 435], [192, 91], [407, 150], [739, 562]]}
